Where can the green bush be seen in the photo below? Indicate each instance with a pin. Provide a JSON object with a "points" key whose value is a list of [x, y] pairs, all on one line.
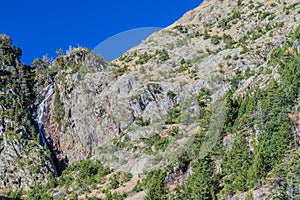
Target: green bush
{"points": [[58, 106], [140, 121], [114, 182], [173, 115], [163, 55], [171, 94], [143, 58], [174, 132], [229, 42], [119, 71], [215, 39], [154, 183]]}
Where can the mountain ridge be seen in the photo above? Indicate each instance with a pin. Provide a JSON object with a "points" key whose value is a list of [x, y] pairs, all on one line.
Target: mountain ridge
{"points": [[204, 103]]}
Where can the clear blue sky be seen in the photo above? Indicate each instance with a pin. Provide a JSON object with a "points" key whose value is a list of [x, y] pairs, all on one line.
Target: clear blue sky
{"points": [[40, 27]]}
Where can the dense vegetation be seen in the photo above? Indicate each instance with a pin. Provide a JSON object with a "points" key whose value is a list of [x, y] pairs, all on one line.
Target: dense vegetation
{"points": [[16, 89], [263, 139], [79, 177]]}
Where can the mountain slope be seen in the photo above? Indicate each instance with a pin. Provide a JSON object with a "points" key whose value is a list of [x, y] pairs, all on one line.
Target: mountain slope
{"points": [[204, 109], [23, 161]]}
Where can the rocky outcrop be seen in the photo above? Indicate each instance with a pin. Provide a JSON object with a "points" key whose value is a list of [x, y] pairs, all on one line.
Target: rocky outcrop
{"points": [[205, 49], [143, 109], [99, 107], [256, 194], [23, 161], [296, 47]]}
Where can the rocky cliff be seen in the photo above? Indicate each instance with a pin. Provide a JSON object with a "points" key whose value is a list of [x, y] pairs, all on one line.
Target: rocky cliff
{"points": [[204, 49], [24, 162], [204, 103]]}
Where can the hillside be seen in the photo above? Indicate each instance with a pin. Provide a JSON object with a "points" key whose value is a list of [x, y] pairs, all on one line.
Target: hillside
{"points": [[207, 108]]}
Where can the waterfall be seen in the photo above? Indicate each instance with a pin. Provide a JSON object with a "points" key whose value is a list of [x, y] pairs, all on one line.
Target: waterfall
{"points": [[56, 163], [40, 112]]}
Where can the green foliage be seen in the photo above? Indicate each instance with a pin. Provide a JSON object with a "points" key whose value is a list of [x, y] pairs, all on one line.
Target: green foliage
{"points": [[159, 143], [204, 97], [203, 184], [173, 115], [229, 42], [16, 89], [173, 132], [291, 76], [171, 94], [236, 14], [126, 58], [182, 68], [163, 55], [119, 71], [266, 108], [279, 24], [117, 179], [182, 61], [295, 35], [264, 15], [244, 169], [236, 164], [290, 8], [15, 195], [84, 174], [114, 182], [143, 58], [114, 196], [258, 124], [184, 65], [239, 3], [155, 88], [215, 39], [230, 20], [87, 171], [289, 64], [154, 183], [206, 35], [232, 109], [248, 73], [181, 29], [140, 121], [285, 179], [58, 106]]}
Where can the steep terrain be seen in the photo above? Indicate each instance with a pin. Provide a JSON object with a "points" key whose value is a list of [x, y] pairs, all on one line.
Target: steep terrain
{"points": [[24, 162], [207, 108]]}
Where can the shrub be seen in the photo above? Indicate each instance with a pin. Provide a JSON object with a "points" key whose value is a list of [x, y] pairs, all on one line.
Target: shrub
{"points": [[215, 40], [171, 94], [173, 115], [163, 55], [141, 122]]}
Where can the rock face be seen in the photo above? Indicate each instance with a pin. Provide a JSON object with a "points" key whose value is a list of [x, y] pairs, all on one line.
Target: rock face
{"points": [[100, 106], [23, 161], [142, 110], [100, 102]]}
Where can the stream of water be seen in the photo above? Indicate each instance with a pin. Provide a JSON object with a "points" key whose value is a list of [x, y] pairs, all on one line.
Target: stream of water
{"points": [[40, 112]]}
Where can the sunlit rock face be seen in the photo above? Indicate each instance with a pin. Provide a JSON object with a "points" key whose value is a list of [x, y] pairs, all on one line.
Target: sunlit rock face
{"points": [[23, 161], [145, 109]]}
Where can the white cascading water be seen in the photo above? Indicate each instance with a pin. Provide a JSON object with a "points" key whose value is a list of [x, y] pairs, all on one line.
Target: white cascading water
{"points": [[40, 112]]}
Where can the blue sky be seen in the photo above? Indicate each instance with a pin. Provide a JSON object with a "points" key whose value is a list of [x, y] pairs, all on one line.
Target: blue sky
{"points": [[40, 27]]}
